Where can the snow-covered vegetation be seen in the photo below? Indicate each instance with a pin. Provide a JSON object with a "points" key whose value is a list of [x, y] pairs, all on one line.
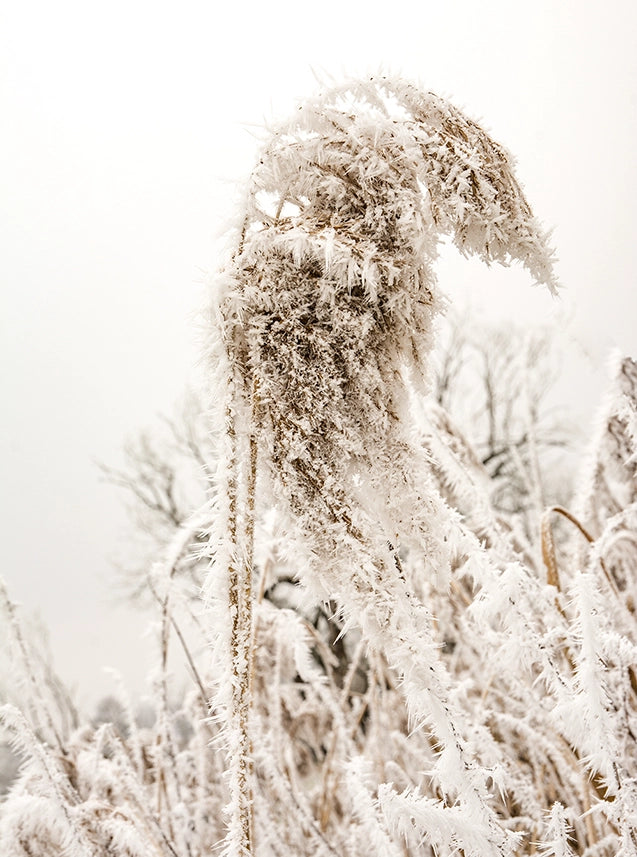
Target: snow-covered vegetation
{"points": [[404, 637]]}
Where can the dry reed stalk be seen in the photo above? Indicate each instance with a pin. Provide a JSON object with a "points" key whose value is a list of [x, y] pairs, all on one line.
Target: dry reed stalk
{"points": [[241, 636], [548, 548], [241, 489]]}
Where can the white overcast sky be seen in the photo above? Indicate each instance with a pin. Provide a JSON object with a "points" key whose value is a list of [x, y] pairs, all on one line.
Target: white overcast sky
{"points": [[123, 126]]}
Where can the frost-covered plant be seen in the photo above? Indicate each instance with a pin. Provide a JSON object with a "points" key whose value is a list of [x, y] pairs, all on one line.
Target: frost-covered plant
{"points": [[400, 666], [325, 315], [543, 674]]}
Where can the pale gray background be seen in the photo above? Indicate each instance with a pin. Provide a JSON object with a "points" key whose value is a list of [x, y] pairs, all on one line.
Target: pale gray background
{"points": [[123, 127]]}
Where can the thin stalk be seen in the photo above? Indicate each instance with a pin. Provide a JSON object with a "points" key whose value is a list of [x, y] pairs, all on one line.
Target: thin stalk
{"points": [[242, 636]]}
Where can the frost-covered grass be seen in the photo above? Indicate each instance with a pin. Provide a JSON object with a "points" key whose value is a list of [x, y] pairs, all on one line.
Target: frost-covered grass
{"points": [[392, 654]]}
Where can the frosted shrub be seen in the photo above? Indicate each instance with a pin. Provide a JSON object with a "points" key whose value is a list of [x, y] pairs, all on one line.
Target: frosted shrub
{"points": [[400, 665]]}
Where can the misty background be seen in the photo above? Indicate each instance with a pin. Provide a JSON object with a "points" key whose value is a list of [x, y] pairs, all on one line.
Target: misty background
{"points": [[126, 129]]}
